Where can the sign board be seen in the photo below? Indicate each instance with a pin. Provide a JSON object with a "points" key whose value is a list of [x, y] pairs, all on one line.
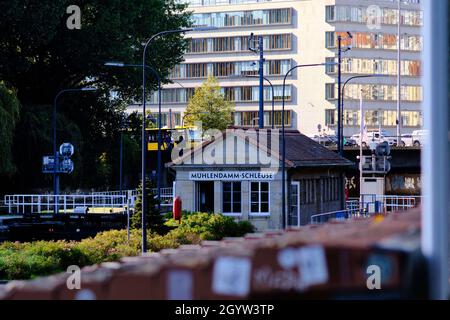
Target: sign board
{"points": [[65, 165], [231, 176], [66, 150], [48, 164]]}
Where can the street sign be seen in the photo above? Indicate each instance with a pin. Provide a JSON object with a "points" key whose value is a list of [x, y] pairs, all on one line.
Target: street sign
{"points": [[48, 164], [66, 165], [66, 150]]}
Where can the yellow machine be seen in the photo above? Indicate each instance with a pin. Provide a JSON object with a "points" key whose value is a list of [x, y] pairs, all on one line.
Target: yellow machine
{"points": [[173, 137]]}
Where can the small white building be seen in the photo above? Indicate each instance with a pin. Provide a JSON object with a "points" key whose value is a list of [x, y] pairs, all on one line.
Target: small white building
{"points": [[238, 173]]}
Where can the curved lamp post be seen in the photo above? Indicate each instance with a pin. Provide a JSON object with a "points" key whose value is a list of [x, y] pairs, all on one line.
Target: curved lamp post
{"points": [[283, 145], [144, 54], [341, 120], [55, 152]]}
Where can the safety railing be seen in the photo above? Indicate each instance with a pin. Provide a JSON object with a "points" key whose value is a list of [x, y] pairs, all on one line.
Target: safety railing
{"points": [[166, 195], [74, 203], [336, 215], [369, 205]]}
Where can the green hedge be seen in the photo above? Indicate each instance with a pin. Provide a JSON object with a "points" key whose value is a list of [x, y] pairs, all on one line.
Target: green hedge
{"points": [[29, 260]]}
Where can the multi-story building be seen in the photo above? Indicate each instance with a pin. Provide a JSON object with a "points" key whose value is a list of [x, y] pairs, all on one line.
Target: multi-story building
{"points": [[304, 32]]}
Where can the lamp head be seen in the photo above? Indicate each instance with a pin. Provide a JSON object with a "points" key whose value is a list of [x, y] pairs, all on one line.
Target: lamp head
{"points": [[114, 64]]}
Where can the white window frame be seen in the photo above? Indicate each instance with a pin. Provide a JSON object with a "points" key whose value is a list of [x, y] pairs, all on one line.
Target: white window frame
{"points": [[231, 214], [259, 213]]}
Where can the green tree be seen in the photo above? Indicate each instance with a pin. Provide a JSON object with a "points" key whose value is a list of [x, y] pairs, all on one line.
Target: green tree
{"points": [[9, 115], [39, 56], [154, 218], [209, 106]]}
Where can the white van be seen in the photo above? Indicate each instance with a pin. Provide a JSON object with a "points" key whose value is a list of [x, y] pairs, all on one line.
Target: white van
{"points": [[419, 137]]}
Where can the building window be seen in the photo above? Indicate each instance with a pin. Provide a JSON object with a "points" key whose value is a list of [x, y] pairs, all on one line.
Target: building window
{"points": [[250, 118], [376, 92], [243, 18], [382, 41], [330, 91], [411, 68], [330, 39], [329, 13], [388, 16], [387, 118], [259, 197], [307, 191], [330, 117], [330, 189], [225, 69], [330, 69], [232, 200]]}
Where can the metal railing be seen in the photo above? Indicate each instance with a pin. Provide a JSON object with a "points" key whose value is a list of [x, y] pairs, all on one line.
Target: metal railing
{"points": [[369, 205], [76, 203], [166, 195]]}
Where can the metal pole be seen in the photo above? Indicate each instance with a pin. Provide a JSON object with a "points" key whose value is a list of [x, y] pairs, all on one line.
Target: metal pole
{"points": [[399, 70], [261, 82], [159, 146], [339, 132], [283, 145], [55, 155], [283, 160], [143, 135], [361, 133], [273, 103], [121, 160], [144, 153], [170, 118], [435, 155]]}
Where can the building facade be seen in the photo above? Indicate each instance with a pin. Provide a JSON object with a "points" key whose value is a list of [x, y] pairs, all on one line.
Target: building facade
{"points": [[304, 32], [237, 175]]}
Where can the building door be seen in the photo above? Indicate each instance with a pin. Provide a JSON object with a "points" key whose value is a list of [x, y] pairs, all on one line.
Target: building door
{"points": [[205, 196], [294, 213]]}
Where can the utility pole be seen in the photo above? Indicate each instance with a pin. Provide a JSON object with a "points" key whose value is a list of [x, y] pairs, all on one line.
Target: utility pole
{"points": [[261, 81], [339, 132], [399, 75], [261, 76]]}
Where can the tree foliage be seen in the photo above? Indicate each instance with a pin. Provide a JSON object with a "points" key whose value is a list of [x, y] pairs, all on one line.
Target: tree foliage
{"points": [[9, 115], [209, 106], [39, 56], [153, 217]]}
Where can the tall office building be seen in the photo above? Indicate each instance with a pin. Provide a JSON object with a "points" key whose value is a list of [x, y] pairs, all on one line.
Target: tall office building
{"points": [[304, 32]]}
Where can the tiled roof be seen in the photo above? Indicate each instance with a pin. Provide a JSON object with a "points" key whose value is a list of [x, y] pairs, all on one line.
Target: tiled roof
{"points": [[301, 151]]}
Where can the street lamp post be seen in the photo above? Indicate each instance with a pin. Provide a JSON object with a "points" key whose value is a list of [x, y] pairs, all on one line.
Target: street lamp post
{"points": [[144, 140], [144, 54], [260, 50], [283, 144], [341, 120], [339, 133], [399, 76], [55, 152]]}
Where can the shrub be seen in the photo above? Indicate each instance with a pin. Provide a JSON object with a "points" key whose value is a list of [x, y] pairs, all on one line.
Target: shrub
{"points": [[40, 258], [209, 226]]}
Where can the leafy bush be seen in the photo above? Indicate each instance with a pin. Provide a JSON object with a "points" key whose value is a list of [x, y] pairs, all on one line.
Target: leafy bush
{"points": [[29, 260], [209, 226]]}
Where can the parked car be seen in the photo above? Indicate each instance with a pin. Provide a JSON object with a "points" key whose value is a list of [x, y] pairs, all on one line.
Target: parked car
{"points": [[356, 138], [419, 137], [378, 137], [407, 140], [350, 142], [325, 140]]}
